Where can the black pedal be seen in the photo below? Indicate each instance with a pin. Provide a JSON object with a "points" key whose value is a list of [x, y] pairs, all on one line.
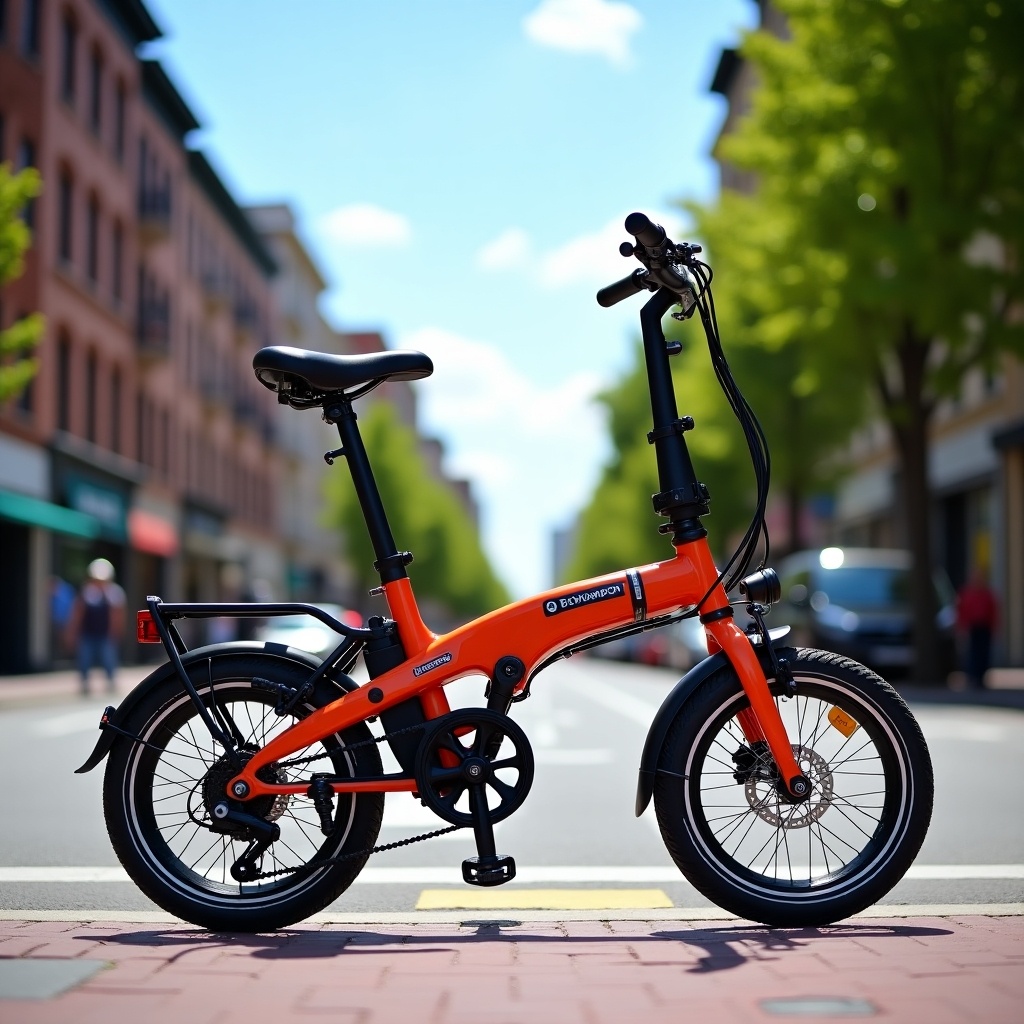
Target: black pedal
{"points": [[495, 870]]}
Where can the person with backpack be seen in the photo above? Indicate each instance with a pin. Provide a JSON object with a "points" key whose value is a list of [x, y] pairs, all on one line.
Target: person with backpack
{"points": [[97, 623]]}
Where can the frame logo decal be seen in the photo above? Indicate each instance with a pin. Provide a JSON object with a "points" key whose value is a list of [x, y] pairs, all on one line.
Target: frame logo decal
{"points": [[441, 659], [567, 602]]}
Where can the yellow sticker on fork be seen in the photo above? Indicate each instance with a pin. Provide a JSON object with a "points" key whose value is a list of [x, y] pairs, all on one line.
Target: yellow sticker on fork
{"points": [[843, 722]]}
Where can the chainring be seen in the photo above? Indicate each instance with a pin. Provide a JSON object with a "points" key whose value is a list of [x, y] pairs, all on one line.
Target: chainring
{"points": [[468, 751]]}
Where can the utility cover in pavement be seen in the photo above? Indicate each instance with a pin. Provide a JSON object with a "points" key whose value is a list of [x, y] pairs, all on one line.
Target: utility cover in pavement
{"points": [[43, 978], [819, 1006]]}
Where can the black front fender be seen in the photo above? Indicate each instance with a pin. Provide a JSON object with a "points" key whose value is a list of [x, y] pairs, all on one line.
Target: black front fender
{"points": [[200, 654], [670, 708]]}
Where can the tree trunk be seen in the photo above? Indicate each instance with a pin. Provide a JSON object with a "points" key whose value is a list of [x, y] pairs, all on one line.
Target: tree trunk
{"points": [[909, 415]]}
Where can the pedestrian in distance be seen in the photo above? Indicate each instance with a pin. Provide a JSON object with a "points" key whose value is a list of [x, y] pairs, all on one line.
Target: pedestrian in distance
{"points": [[976, 616], [97, 623]]}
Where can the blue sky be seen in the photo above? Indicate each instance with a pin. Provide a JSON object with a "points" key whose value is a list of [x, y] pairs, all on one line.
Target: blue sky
{"points": [[460, 170]]}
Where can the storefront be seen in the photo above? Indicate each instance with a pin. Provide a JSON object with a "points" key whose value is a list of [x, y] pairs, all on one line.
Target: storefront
{"points": [[31, 605]]}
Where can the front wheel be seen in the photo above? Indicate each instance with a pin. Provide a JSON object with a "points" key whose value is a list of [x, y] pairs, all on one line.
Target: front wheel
{"points": [[735, 834], [158, 798]]}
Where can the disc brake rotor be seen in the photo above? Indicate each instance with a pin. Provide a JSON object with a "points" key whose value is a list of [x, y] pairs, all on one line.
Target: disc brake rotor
{"points": [[764, 800]]}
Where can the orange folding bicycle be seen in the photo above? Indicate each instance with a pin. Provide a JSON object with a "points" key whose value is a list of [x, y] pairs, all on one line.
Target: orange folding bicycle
{"points": [[244, 789]]}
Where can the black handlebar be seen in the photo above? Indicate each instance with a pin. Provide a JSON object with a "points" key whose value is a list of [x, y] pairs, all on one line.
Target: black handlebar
{"points": [[623, 289], [644, 230]]}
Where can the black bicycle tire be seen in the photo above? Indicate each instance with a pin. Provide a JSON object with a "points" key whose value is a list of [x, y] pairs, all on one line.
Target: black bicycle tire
{"points": [[857, 885], [147, 859]]}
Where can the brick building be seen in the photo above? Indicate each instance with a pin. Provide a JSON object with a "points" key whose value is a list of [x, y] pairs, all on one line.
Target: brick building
{"points": [[144, 437]]}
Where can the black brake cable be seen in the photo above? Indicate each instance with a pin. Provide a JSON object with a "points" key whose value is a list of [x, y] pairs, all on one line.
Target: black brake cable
{"points": [[757, 443]]}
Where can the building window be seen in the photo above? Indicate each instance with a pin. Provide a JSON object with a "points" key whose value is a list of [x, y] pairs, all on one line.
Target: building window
{"points": [[119, 116], [27, 158], [91, 371], [165, 443], [117, 261], [96, 91], [92, 258], [140, 427], [65, 198], [30, 28], [115, 410], [26, 398], [68, 53], [63, 381], [3, 27]]}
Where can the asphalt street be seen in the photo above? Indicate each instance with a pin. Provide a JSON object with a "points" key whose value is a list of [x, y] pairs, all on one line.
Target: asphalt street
{"points": [[577, 833]]}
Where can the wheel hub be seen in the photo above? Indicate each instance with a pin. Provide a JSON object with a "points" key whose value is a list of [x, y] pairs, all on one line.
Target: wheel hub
{"points": [[222, 771], [769, 805]]}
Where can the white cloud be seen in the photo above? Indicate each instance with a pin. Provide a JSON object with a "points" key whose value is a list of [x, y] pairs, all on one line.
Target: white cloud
{"points": [[594, 258], [366, 224], [508, 251], [585, 26], [532, 450]]}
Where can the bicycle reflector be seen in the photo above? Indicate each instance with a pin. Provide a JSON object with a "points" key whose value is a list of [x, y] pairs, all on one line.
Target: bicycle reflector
{"points": [[145, 628]]}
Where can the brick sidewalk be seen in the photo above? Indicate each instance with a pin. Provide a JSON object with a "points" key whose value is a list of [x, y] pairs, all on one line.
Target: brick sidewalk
{"points": [[934, 970]]}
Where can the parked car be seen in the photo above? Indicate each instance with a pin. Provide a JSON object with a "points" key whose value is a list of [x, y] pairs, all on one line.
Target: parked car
{"points": [[856, 602], [305, 632]]}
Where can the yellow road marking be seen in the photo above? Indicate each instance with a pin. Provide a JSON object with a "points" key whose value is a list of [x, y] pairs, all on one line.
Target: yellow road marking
{"points": [[542, 899]]}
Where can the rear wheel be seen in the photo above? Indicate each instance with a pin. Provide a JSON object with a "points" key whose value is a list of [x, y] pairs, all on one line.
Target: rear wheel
{"points": [[731, 828], [158, 800]]}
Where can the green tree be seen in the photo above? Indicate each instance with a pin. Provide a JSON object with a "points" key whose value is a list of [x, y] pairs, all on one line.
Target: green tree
{"points": [[17, 342], [887, 137], [425, 516], [773, 300]]}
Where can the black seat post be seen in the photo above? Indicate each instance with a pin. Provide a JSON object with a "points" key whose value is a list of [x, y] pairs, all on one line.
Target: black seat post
{"points": [[390, 563]]}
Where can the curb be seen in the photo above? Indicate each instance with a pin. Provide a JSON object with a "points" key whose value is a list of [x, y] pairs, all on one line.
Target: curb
{"points": [[682, 914]]}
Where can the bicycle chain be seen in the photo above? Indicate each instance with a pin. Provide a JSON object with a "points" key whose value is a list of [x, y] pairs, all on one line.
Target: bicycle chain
{"points": [[361, 853], [296, 762]]}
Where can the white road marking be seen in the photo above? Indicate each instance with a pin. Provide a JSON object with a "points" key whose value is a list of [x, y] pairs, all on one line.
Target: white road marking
{"points": [[580, 874], [611, 697], [966, 732]]}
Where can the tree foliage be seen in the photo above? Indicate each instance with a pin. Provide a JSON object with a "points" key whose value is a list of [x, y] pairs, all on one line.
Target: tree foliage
{"points": [[17, 342], [886, 138], [425, 516]]}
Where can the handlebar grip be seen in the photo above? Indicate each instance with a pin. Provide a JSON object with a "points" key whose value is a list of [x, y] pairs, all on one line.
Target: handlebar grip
{"points": [[623, 289], [644, 230]]}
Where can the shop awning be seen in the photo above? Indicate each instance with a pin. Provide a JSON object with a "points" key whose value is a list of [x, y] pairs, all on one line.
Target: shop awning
{"points": [[33, 512], [151, 534]]}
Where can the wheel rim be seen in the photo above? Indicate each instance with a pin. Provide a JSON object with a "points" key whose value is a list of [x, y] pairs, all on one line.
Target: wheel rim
{"points": [[166, 809], [839, 838]]}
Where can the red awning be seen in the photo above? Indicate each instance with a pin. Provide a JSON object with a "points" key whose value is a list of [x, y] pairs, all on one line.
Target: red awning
{"points": [[149, 533]]}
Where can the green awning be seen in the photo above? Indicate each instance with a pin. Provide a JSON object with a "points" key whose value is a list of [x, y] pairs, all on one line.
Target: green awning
{"points": [[22, 509]]}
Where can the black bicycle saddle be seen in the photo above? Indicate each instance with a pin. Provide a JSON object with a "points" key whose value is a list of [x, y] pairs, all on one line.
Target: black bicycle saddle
{"points": [[303, 377]]}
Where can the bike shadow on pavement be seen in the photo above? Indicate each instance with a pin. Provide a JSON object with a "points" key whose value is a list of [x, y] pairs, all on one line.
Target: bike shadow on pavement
{"points": [[722, 948]]}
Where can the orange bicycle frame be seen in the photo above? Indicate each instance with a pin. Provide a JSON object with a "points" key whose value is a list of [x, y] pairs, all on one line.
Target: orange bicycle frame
{"points": [[532, 630]]}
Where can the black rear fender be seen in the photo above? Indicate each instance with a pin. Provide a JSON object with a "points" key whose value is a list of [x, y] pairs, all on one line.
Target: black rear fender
{"points": [[194, 661]]}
